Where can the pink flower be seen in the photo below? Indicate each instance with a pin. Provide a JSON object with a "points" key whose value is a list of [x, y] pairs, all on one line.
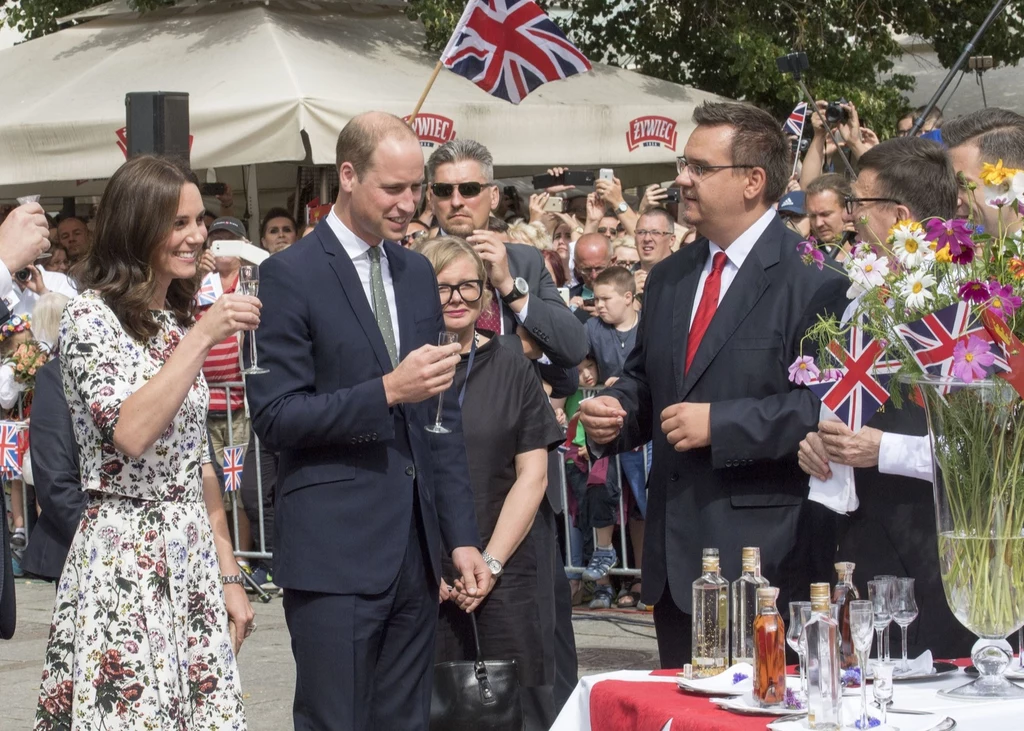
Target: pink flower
{"points": [[803, 370], [831, 374], [1004, 302], [971, 359], [974, 291], [811, 254], [955, 235]]}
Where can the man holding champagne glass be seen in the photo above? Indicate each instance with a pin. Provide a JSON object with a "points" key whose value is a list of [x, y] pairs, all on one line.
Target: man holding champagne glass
{"points": [[366, 495]]}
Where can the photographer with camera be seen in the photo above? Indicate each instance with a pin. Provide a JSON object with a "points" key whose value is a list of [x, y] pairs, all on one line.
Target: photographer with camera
{"points": [[844, 121]]}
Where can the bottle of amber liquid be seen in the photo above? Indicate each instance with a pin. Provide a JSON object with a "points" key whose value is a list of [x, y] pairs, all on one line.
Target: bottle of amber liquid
{"points": [[769, 650], [844, 593]]}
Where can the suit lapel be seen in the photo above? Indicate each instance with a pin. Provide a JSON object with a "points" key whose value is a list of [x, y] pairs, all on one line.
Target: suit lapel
{"points": [[345, 270], [398, 262], [744, 292], [683, 307]]}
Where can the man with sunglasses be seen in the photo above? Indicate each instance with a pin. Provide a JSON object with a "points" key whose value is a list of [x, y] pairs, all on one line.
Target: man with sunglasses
{"points": [[708, 379]]}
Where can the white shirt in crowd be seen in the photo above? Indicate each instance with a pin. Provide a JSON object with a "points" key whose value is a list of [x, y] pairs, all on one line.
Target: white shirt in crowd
{"points": [[53, 281], [358, 251], [736, 254]]}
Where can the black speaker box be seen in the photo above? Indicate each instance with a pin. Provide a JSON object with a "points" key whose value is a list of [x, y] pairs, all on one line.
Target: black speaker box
{"points": [[157, 123]]}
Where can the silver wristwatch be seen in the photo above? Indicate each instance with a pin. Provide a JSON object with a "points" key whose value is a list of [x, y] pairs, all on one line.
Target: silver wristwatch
{"points": [[496, 567]]}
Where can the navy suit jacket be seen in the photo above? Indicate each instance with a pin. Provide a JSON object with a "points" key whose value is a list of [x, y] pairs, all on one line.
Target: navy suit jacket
{"points": [[57, 475], [746, 489], [350, 466]]}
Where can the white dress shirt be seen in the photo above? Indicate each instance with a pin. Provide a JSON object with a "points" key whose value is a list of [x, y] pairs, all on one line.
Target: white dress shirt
{"points": [[736, 253], [358, 251], [53, 281]]}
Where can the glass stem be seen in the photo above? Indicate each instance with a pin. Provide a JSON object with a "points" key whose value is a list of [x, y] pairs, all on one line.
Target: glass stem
{"points": [[881, 647], [252, 349], [803, 674], [906, 665], [863, 658], [885, 636], [440, 406]]}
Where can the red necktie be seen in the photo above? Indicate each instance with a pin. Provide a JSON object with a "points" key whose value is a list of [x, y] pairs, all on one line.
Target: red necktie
{"points": [[706, 308], [490, 318]]}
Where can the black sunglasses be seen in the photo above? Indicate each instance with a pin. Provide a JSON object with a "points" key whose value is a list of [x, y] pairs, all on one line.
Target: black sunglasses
{"points": [[470, 291], [466, 190]]}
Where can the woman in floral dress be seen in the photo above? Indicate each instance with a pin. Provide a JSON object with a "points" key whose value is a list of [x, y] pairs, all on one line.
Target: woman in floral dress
{"points": [[144, 635]]}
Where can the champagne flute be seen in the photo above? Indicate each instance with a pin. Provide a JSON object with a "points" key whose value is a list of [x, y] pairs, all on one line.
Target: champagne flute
{"points": [[892, 580], [904, 612], [862, 624], [249, 284], [880, 593], [445, 338], [799, 614]]}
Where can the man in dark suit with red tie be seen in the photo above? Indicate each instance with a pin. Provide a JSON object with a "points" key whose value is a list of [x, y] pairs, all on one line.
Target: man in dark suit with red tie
{"points": [[366, 498], [708, 379]]}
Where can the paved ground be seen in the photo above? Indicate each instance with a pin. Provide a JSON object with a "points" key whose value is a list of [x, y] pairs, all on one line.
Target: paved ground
{"points": [[607, 640]]}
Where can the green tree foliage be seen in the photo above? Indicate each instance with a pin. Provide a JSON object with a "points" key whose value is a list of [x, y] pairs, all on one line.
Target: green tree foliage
{"points": [[729, 47], [36, 18]]}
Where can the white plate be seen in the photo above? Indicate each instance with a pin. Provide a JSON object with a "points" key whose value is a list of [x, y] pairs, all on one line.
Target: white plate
{"points": [[689, 687], [745, 707]]}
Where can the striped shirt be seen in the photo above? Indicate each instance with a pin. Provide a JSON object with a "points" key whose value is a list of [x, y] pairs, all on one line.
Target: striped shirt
{"points": [[222, 365]]}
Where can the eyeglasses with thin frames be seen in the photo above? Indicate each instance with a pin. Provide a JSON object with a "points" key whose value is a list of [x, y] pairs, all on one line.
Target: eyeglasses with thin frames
{"points": [[469, 189], [642, 232], [852, 203], [696, 171], [470, 291]]}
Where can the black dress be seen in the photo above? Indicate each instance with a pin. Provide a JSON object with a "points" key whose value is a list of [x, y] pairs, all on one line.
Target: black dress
{"points": [[505, 413]]}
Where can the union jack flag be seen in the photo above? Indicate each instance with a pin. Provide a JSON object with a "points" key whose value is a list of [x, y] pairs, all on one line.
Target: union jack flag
{"points": [[861, 391], [510, 47], [795, 124], [234, 458], [932, 339], [10, 455], [210, 290]]}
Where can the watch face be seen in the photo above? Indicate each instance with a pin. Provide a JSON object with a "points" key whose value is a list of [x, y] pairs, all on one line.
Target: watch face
{"points": [[521, 285]]}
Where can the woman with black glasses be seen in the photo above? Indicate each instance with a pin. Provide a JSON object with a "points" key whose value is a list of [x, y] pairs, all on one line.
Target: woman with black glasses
{"points": [[509, 428]]}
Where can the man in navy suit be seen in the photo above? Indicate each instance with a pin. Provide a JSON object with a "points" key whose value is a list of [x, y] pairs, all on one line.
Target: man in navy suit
{"points": [[708, 379], [366, 497], [24, 235]]}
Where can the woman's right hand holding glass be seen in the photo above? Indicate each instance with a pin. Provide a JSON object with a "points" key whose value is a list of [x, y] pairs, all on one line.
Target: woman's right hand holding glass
{"points": [[230, 314]]}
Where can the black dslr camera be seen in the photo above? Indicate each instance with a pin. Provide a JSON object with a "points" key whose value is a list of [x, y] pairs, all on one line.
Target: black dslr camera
{"points": [[835, 114]]}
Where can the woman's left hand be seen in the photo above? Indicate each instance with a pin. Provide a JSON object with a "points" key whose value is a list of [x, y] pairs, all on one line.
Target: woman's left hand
{"points": [[240, 615]]}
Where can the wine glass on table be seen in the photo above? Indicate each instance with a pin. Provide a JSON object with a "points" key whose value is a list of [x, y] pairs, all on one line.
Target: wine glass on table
{"points": [[799, 614], [892, 580], [249, 284], [904, 612], [880, 594], [862, 625], [445, 338]]}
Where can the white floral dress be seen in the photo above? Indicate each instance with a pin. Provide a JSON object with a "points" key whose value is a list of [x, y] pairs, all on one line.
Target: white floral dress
{"points": [[139, 638]]}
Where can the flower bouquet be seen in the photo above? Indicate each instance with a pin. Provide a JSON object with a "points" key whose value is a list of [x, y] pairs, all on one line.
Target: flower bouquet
{"points": [[26, 360], [936, 316]]}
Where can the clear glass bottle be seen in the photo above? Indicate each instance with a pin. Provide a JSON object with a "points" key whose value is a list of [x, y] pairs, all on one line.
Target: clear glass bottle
{"points": [[824, 694], [743, 601], [844, 593], [710, 618], [769, 650]]}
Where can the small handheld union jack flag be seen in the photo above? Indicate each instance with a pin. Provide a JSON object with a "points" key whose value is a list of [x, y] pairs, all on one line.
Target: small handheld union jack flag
{"points": [[10, 455], [210, 290], [861, 391], [234, 458], [510, 47], [933, 338], [795, 124]]}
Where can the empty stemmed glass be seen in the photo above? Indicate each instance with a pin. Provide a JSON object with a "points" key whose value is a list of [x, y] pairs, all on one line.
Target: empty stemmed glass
{"points": [[445, 338], [892, 580], [249, 284], [880, 593], [862, 624], [904, 612], [799, 614]]}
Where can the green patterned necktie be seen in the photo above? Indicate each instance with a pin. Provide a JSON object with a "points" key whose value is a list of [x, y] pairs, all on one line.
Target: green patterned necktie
{"points": [[381, 311]]}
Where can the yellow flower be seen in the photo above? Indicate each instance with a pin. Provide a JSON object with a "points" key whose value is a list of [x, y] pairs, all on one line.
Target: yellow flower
{"points": [[943, 256], [996, 174]]}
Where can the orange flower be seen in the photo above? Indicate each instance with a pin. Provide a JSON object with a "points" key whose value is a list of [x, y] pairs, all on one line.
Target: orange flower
{"points": [[1017, 267]]}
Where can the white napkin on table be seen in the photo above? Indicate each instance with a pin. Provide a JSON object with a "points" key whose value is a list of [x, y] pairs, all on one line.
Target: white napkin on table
{"points": [[728, 681], [838, 493], [923, 664]]}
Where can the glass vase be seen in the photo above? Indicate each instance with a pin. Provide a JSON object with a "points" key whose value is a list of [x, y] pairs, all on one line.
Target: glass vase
{"points": [[977, 439]]}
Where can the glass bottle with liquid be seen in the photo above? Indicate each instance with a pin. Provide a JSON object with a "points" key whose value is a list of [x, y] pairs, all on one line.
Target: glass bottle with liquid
{"points": [[844, 593], [824, 693], [743, 602], [769, 650], [710, 618]]}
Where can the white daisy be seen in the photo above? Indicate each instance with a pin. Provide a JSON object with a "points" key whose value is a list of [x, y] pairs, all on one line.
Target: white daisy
{"points": [[916, 289], [910, 244], [869, 271]]}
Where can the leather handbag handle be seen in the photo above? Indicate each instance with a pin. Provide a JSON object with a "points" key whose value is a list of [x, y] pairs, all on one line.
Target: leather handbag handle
{"points": [[487, 696]]}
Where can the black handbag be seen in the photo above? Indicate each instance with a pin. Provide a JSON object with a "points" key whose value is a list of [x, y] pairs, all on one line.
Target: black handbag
{"points": [[476, 696]]}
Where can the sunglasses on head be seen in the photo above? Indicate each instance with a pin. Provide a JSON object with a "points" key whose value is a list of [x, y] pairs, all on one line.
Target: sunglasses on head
{"points": [[466, 190]]}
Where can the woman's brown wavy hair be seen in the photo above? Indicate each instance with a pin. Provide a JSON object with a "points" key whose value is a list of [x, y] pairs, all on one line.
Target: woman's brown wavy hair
{"points": [[134, 218]]}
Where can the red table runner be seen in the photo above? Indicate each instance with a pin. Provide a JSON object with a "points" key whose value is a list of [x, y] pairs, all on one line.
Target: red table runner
{"points": [[621, 705]]}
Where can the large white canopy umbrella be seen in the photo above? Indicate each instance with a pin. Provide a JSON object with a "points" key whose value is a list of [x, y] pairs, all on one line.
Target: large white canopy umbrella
{"points": [[275, 81]]}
